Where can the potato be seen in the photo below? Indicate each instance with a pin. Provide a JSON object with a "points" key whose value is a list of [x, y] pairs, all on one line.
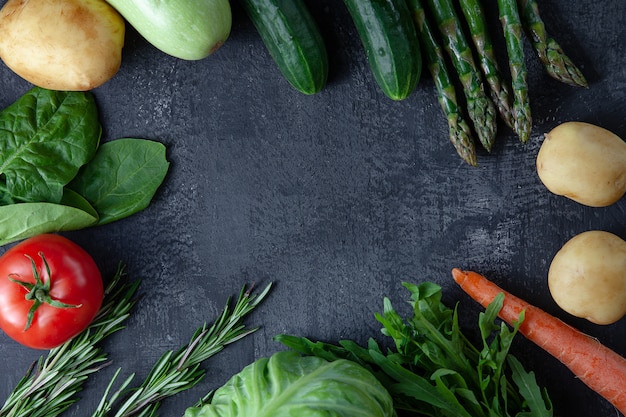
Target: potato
{"points": [[583, 162], [62, 44], [587, 277]]}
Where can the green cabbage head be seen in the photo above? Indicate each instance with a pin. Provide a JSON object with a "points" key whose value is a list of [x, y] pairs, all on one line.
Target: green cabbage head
{"points": [[290, 385]]}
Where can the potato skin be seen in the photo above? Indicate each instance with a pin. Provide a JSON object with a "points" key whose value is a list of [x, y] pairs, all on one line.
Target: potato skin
{"points": [[70, 45], [587, 277], [583, 162]]}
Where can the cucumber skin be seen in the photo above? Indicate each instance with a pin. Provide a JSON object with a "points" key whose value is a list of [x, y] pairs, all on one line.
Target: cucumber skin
{"points": [[293, 40], [389, 36]]}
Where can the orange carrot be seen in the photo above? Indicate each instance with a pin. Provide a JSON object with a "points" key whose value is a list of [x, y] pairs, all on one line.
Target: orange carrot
{"points": [[599, 367]]}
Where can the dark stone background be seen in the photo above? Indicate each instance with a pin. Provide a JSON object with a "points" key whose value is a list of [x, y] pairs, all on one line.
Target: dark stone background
{"points": [[336, 198]]}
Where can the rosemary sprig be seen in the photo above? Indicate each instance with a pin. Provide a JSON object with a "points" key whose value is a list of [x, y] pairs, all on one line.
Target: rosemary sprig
{"points": [[178, 371], [51, 384]]}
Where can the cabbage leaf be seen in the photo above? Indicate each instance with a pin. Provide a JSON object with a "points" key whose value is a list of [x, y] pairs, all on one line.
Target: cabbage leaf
{"points": [[288, 384]]}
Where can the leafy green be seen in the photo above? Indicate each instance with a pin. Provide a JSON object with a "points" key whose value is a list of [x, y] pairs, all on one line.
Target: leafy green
{"points": [[45, 137], [122, 178], [435, 370], [288, 384], [55, 176], [20, 221]]}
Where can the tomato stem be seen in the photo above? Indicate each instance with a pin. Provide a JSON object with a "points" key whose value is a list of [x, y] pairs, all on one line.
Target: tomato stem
{"points": [[39, 292]]}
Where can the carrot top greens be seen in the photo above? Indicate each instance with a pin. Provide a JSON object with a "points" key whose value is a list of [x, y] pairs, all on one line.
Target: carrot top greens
{"points": [[433, 369]]}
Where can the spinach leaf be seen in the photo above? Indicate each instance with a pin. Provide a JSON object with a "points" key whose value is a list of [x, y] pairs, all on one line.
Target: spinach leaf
{"points": [[45, 137], [24, 220], [122, 178]]}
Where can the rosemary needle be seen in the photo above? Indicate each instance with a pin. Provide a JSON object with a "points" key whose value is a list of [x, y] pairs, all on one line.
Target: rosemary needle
{"points": [[177, 371]]}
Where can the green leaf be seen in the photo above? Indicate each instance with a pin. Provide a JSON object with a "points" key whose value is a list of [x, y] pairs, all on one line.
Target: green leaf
{"points": [[435, 370], [123, 177], [23, 220], [288, 384], [417, 387], [73, 199], [45, 137], [529, 389], [486, 320]]}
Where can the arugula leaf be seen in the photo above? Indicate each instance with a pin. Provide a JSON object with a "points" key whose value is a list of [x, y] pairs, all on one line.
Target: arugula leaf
{"points": [[435, 370], [122, 178], [45, 137], [538, 402]]}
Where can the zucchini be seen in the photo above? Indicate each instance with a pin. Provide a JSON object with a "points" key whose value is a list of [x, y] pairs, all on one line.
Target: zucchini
{"points": [[293, 40], [185, 29], [389, 36]]}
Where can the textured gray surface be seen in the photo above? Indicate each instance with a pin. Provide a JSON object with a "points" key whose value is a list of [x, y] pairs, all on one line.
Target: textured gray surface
{"points": [[336, 198]]}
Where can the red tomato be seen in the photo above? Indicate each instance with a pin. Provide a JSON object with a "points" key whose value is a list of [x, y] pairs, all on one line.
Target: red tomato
{"points": [[68, 298]]}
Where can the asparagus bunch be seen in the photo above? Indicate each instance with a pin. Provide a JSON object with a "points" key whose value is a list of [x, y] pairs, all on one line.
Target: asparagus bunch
{"points": [[460, 131], [480, 108], [511, 99]]}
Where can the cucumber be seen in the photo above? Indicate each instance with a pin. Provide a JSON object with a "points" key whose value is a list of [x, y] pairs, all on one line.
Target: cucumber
{"points": [[389, 36], [293, 40]]}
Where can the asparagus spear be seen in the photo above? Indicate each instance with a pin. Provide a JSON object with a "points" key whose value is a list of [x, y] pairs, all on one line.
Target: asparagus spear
{"points": [[557, 64], [479, 106], [460, 132], [500, 94], [512, 27]]}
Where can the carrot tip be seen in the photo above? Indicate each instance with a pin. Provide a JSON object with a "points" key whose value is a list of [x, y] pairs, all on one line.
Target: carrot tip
{"points": [[458, 275]]}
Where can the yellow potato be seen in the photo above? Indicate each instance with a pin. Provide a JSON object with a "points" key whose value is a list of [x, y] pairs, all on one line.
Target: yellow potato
{"points": [[62, 44], [587, 277], [583, 162]]}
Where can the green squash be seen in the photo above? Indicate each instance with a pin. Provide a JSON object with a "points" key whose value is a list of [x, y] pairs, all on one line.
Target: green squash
{"points": [[186, 29]]}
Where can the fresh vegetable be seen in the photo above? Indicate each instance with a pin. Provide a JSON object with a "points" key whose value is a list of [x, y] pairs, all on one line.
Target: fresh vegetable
{"points": [[50, 291], [513, 34], [390, 40], [499, 90], [293, 40], [178, 371], [62, 44], [55, 176], [587, 277], [600, 368], [122, 178], [435, 370], [186, 29], [583, 162], [459, 131], [45, 137], [51, 385], [480, 108], [58, 377], [24, 220], [557, 64], [288, 384]]}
